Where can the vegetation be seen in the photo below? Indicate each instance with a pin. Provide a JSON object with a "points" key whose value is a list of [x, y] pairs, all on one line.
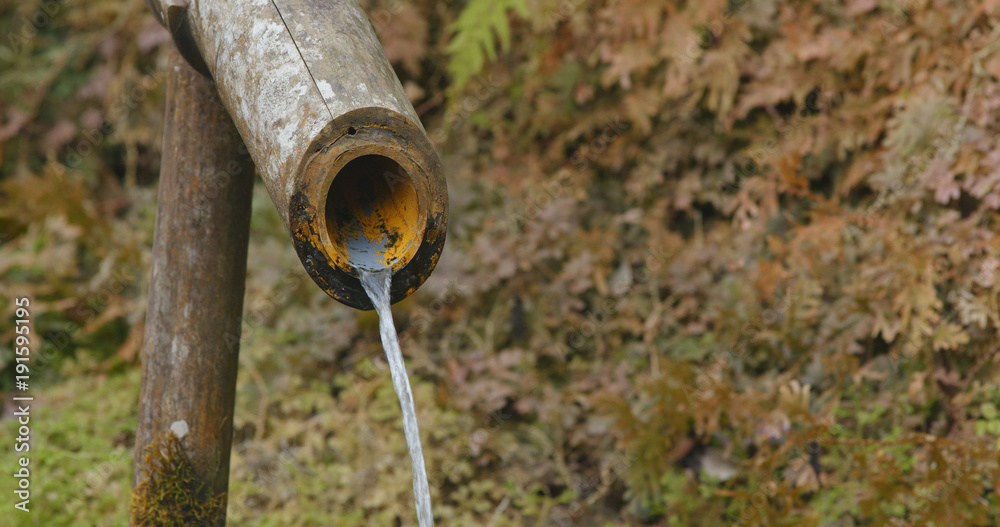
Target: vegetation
{"points": [[728, 262], [171, 494]]}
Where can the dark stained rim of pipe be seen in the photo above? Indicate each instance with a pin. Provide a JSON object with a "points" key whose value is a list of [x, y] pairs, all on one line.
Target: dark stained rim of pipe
{"points": [[368, 131]]}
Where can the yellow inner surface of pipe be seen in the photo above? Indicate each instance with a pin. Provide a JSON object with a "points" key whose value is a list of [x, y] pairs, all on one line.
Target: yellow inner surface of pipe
{"points": [[372, 214]]}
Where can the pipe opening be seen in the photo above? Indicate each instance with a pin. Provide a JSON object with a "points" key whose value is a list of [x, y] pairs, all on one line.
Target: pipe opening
{"points": [[372, 215]]}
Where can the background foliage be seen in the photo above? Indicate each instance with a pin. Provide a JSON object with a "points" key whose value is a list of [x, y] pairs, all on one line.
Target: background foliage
{"points": [[727, 262]]}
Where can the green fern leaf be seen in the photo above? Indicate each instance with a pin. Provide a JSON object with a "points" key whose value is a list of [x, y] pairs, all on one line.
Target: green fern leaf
{"points": [[475, 33]]}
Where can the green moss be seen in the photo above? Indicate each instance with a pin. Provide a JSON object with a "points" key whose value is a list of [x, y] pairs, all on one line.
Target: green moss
{"points": [[171, 495]]}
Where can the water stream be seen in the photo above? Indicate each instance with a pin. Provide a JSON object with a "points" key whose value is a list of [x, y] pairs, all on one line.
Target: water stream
{"points": [[376, 284]]}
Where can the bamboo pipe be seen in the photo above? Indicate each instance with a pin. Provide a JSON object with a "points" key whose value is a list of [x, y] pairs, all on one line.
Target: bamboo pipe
{"points": [[343, 154]]}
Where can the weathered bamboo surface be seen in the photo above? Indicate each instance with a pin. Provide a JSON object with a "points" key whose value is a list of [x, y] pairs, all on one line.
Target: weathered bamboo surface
{"points": [[191, 347], [310, 90]]}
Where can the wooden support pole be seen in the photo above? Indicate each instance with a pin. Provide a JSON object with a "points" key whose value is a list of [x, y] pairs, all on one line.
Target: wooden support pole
{"points": [[191, 348]]}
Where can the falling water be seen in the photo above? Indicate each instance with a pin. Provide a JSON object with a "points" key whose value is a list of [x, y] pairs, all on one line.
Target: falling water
{"points": [[376, 284]]}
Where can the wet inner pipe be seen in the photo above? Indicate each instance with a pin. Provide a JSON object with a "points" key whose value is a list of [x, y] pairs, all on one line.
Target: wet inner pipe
{"points": [[341, 151]]}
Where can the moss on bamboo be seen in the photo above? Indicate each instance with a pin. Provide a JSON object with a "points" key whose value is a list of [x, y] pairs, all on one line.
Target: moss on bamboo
{"points": [[171, 494]]}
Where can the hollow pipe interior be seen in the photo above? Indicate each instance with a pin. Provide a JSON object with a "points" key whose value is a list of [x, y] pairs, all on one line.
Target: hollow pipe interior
{"points": [[372, 214]]}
